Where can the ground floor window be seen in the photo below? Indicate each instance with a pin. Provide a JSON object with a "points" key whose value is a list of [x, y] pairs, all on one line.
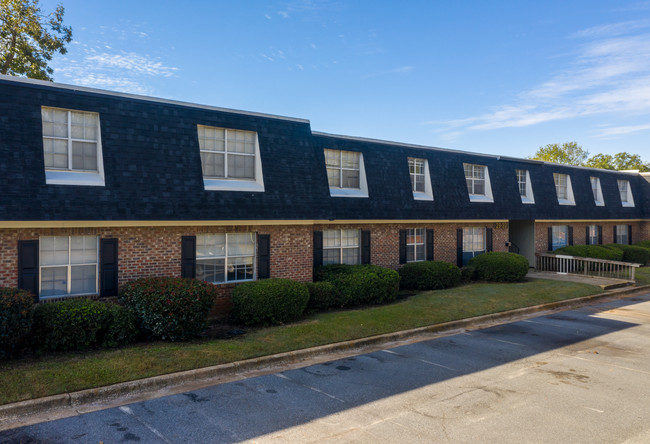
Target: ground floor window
{"points": [[225, 257], [559, 236], [341, 247], [473, 243], [68, 265], [592, 235], [415, 250], [621, 235]]}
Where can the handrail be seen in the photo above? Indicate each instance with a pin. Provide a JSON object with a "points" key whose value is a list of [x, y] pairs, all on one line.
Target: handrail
{"points": [[564, 264]]}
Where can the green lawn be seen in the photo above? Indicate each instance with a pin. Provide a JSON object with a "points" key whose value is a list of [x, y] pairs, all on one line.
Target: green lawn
{"points": [[53, 374], [642, 276]]}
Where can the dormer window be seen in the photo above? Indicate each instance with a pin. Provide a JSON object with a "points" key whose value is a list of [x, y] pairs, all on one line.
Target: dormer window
{"points": [[597, 191], [477, 179], [626, 193], [563, 189], [525, 188], [420, 179], [346, 173], [72, 151]]}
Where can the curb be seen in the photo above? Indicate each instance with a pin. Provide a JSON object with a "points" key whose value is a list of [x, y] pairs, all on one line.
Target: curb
{"points": [[271, 363]]}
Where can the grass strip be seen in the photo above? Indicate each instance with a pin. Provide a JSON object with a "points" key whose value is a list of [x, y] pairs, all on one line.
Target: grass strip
{"points": [[61, 373], [642, 275]]}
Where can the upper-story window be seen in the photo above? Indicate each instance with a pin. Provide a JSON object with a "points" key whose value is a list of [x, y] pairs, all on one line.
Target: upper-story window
{"points": [[72, 147], [346, 173], [626, 193], [225, 257], [420, 179], [563, 189], [477, 179], [597, 191], [68, 265], [230, 159], [525, 187]]}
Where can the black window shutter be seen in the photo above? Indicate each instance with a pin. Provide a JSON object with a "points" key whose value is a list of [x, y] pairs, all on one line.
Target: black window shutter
{"points": [[459, 247], [488, 239], [550, 238], [263, 256], [318, 248], [108, 267], [365, 246], [600, 234], [429, 246], [629, 234], [570, 235], [614, 234], [28, 266], [587, 235], [188, 256], [402, 246]]}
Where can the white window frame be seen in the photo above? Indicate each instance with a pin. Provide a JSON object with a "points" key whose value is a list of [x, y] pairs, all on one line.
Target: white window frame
{"points": [[69, 270], [523, 178], [412, 244], [227, 257], [622, 233], [339, 191], [470, 235], [70, 176], [414, 163], [340, 247], [556, 230], [230, 183], [625, 192], [569, 200], [597, 190], [487, 195], [593, 234]]}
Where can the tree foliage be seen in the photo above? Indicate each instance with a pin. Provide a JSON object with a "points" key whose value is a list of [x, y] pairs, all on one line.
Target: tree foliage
{"points": [[29, 39], [569, 153], [620, 161]]}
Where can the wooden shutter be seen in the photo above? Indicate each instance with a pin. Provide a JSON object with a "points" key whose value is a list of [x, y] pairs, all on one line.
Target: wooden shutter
{"points": [[587, 235], [188, 256], [365, 246], [429, 245], [550, 238], [107, 267], [488, 239], [629, 234], [614, 234], [28, 266], [600, 234], [402, 246], [459, 247], [263, 256], [318, 248], [570, 235]]}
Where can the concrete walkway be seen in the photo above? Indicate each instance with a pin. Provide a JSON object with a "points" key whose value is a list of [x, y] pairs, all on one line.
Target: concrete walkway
{"points": [[604, 283]]}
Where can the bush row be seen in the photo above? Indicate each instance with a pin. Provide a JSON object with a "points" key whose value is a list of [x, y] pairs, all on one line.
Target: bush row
{"points": [[615, 252], [429, 275], [499, 266]]}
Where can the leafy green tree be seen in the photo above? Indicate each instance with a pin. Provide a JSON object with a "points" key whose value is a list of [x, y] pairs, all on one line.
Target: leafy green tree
{"points": [[28, 39], [620, 161], [569, 153]]}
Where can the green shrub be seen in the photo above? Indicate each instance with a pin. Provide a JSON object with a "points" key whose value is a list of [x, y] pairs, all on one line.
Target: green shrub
{"points": [[429, 275], [467, 274], [16, 315], [644, 244], [592, 251], [361, 284], [322, 296], [119, 327], [172, 309], [500, 266], [633, 253], [269, 301]]}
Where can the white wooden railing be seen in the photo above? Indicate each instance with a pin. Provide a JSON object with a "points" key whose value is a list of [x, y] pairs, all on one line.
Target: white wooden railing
{"points": [[563, 264]]}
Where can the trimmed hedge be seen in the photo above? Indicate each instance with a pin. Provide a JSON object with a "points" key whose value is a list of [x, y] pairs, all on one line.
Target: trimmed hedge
{"points": [[80, 324], [269, 301], [592, 251], [322, 296], [633, 253], [16, 315], [644, 244], [172, 309], [429, 275], [500, 266], [467, 274], [361, 284]]}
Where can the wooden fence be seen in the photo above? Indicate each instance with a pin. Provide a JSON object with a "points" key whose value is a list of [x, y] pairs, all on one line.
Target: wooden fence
{"points": [[563, 264]]}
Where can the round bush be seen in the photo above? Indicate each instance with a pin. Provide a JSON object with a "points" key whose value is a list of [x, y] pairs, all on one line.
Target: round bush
{"points": [[269, 301], [500, 266], [119, 327], [633, 253], [322, 296], [172, 309], [591, 251], [429, 275], [16, 315], [361, 284]]}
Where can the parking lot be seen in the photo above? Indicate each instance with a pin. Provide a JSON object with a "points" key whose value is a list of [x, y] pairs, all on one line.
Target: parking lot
{"points": [[576, 376]]}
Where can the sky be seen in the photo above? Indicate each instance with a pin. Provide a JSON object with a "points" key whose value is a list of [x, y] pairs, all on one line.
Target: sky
{"points": [[496, 77]]}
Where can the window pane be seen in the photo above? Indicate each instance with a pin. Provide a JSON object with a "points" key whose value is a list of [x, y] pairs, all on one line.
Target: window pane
{"points": [[331, 256], [210, 245], [410, 253], [331, 238], [241, 244], [54, 281], [83, 126], [419, 252], [479, 187], [332, 158], [211, 270], [349, 159], [334, 177], [55, 122], [56, 153], [241, 141], [242, 167], [213, 165], [211, 139], [240, 268], [419, 183], [350, 256], [349, 238], [83, 249], [84, 156], [350, 178], [53, 250], [83, 279]]}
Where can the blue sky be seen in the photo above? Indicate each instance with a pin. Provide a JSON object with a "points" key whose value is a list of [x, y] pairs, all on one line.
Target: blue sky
{"points": [[499, 77]]}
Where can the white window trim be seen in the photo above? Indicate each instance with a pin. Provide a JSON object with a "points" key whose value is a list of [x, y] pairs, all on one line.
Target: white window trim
{"points": [[226, 257], [529, 198], [570, 200], [428, 189], [487, 197], [69, 273], [599, 201], [362, 191], [72, 177], [235, 184], [630, 198]]}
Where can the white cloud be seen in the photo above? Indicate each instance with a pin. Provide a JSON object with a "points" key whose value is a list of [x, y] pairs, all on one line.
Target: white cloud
{"points": [[398, 70], [619, 130], [132, 62]]}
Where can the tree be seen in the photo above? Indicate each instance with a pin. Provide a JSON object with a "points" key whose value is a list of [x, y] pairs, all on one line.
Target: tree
{"points": [[569, 153], [28, 39], [620, 161]]}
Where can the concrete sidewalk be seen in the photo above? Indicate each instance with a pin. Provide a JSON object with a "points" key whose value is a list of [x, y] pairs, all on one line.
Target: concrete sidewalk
{"points": [[602, 282]]}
